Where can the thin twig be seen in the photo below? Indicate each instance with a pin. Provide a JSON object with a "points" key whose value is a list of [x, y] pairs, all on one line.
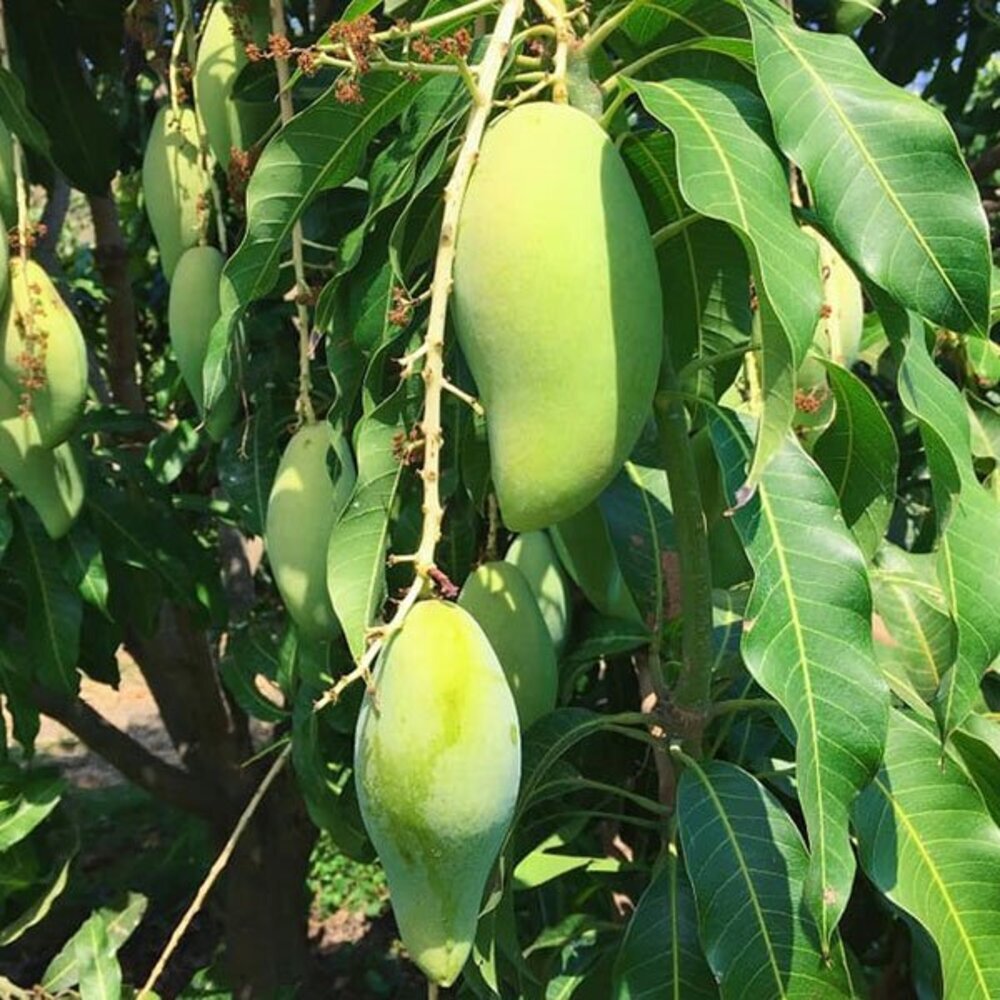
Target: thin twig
{"points": [[214, 872], [555, 12], [305, 407]]}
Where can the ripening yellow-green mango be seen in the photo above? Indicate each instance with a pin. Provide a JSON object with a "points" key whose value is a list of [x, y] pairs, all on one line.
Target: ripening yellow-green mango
{"points": [[51, 479], [535, 556], [301, 511], [558, 310], [174, 185], [221, 57], [838, 333], [437, 758], [8, 185], [192, 311], [42, 352], [499, 597]]}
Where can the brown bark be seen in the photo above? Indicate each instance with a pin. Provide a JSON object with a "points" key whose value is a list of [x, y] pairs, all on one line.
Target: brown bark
{"points": [[111, 255]]}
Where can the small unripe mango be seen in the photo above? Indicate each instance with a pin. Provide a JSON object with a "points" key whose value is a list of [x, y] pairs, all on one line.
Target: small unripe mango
{"points": [[437, 758], [43, 353], [534, 555], [174, 185], [499, 598], [51, 479], [301, 511], [557, 309], [221, 58]]}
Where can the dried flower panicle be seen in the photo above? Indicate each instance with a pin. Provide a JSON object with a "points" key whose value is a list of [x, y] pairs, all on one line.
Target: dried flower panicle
{"points": [[348, 92]]}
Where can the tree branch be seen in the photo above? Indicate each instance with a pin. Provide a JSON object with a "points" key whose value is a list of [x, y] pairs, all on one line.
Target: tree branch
{"points": [[111, 255], [139, 765]]}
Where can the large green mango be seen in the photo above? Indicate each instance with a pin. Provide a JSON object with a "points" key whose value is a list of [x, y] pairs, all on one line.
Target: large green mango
{"points": [[49, 349], [8, 183], [301, 511], [191, 314], [174, 185], [557, 309], [533, 554], [499, 597], [437, 757], [221, 57], [51, 479]]}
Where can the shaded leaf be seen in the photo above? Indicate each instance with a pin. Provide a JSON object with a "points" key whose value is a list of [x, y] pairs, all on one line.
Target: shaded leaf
{"points": [[26, 799], [16, 116]]}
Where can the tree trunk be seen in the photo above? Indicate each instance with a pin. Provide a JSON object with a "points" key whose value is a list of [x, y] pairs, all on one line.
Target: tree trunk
{"points": [[264, 900]]}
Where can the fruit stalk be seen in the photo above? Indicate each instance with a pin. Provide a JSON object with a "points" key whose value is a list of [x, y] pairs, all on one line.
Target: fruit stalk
{"points": [[306, 411], [555, 11], [690, 700]]}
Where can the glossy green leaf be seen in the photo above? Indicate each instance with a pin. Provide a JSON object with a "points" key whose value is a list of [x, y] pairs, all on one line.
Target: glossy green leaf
{"points": [[748, 867], [321, 147], [660, 957], [100, 973], [668, 22], [54, 606], [729, 169], [886, 175], [83, 565], [968, 570], [65, 970], [859, 455], [807, 641], [914, 632], [27, 798], [16, 116], [360, 538], [703, 268], [928, 842]]}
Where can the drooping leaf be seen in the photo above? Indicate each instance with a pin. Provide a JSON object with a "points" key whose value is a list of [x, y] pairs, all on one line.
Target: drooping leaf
{"points": [[729, 169], [360, 538], [83, 565], [968, 570], [100, 973], [64, 971], [928, 842], [807, 641], [16, 116], [660, 956], [748, 867], [249, 653], [26, 799], [321, 147], [859, 454], [248, 461], [41, 903], [54, 606], [703, 269], [885, 171]]}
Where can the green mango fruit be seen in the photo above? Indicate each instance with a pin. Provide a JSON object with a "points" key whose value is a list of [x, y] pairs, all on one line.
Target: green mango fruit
{"points": [[192, 311], [533, 554], [499, 597], [46, 357], [174, 185], [437, 758], [557, 308], [221, 57], [301, 511], [586, 550], [51, 479], [8, 183]]}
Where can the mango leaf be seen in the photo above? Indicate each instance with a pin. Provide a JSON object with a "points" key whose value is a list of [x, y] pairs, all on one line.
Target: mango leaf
{"points": [[668, 22], [26, 799], [83, 137], [83, 565], [65, 970], [914, 632], [807, 641], [968, 570], [38, 909], [928, 842], [636, 509], [660, 957], [749, 867], [360, 538], [100, 973], [54, 607], [249, 653], [729, 169], [321, 147], [16, 116], [887, 177], [248, 461], [703, 269], [977, 742], [859, 455]]}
